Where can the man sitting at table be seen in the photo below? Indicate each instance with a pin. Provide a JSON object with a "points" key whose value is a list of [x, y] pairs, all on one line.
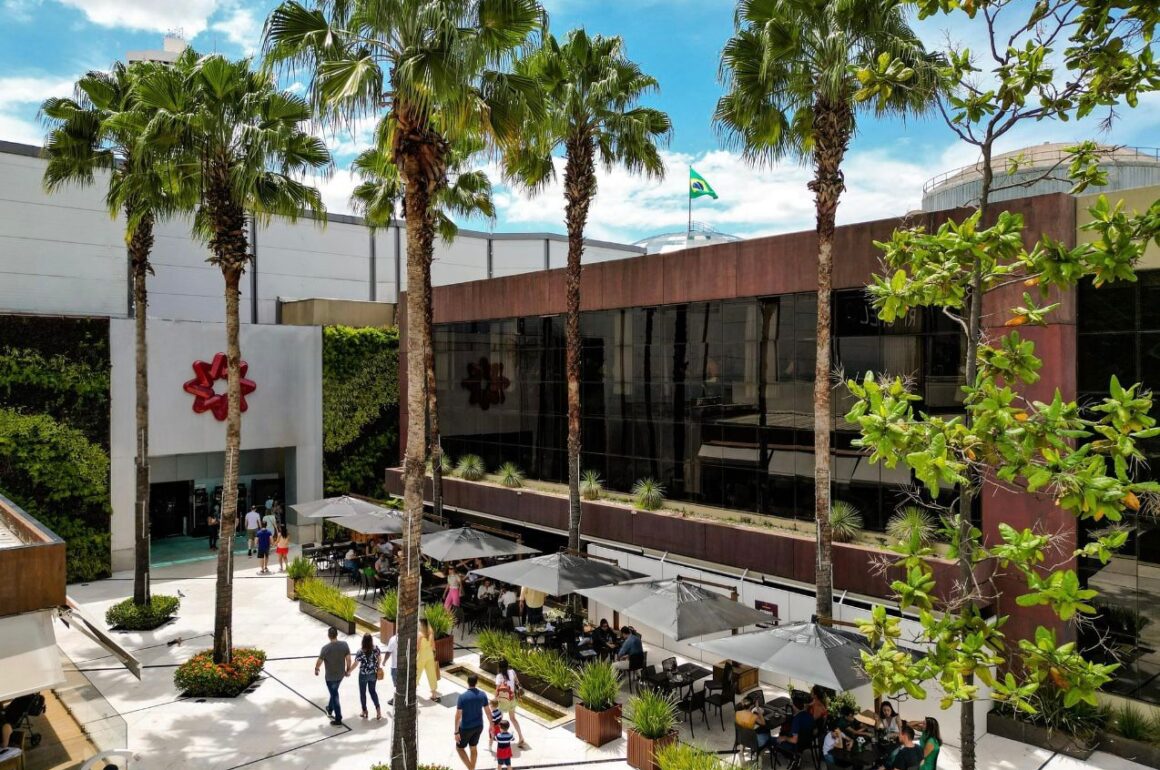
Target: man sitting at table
{"points": [[383, 564], [907, 754], [604, 639], [630, 645], [750, 717], [487, 590], [801, 728]]}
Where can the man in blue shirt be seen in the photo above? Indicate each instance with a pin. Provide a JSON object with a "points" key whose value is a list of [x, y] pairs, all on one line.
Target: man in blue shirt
{"points": [[264, 537], [629, 646], [469, 721], [801, 729]]}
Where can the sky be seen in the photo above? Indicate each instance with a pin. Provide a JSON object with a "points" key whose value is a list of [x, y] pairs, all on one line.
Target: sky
{"points": [[46, 44]]}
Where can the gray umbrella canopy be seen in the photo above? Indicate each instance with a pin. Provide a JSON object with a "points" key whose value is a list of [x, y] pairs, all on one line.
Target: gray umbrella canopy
{"points": [[468, 543], [340, 506], [372, 524], [803, 651], [676, 608], [558, 574]]}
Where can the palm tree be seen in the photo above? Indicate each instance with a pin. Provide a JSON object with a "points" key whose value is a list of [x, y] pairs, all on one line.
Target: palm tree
{"points": [[100, 129], [467, 193], [239, 140], [426, 65], [790, 82], [592, 91]]}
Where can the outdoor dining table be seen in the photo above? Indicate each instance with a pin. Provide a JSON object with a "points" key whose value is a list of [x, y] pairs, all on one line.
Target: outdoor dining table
{"points": [[777, 710], [686, 675], [865, 755]]}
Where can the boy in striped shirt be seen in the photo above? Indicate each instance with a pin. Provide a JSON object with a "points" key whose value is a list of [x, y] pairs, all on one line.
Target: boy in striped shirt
{"points": [[495, 716], [503, 745]]}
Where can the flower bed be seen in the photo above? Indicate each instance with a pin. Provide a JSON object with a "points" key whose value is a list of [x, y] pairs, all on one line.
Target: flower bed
{"points": [[200, 677], [127, 616]]}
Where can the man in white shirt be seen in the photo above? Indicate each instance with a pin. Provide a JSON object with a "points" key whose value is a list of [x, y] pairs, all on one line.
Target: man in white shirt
{"points": [[391, 654], [253, 524], [507, 598]]}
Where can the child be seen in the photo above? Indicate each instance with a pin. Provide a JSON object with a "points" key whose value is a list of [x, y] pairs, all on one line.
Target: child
{"points": [[495, 716], [503, 745]]}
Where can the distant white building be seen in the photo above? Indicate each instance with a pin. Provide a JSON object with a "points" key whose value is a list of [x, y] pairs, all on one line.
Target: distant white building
{"points": [[172, 47], [700, 235]]}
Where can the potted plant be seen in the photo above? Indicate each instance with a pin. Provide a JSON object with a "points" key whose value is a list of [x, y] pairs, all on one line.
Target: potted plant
{"points": [[300, 569], [324, 602], [442, 623], [598, 713], [651, 718], [389, 607], [682, 756]]}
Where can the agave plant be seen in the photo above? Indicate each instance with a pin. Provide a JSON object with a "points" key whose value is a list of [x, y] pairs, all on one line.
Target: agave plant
{"points": [[445, 463], [510, 475], [649, 494], [591, 485], [471, 468], [912, 522], [845, 521]]}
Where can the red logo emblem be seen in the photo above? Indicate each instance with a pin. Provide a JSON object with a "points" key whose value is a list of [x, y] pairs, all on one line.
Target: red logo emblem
{"points": [[201, 387]]}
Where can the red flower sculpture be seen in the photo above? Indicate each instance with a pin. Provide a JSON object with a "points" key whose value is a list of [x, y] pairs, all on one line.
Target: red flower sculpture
{"points": [[201, 387]]}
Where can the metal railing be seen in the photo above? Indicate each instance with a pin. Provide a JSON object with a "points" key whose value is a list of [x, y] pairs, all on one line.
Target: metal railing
{"points": [[1037, 158]]}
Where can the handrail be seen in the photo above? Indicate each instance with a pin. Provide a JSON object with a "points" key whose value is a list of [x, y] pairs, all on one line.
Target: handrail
{"points": [[1033, 156]]}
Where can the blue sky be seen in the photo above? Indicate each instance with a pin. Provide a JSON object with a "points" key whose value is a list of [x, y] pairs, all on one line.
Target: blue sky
{"points": [[46, 44]]}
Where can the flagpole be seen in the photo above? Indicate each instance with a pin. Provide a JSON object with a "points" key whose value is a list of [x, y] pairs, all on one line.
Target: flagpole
{"points": [[689, 232]]}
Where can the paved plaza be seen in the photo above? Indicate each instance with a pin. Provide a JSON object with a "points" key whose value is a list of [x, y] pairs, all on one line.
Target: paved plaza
{"points": [[281, 723]]}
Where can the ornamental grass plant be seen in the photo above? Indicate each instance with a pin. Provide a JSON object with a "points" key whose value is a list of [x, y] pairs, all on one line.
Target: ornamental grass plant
{"points": [[300, 569], [682, 756], [327, 598], [441, 619], [389, 604], [200, 677], [470, 468], [651, 714], [598, 685], [549, 666]]}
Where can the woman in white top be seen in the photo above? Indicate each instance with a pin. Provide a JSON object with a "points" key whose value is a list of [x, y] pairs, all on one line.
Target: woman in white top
{"points": [[451, 592], [888, 720], [507, 684]]}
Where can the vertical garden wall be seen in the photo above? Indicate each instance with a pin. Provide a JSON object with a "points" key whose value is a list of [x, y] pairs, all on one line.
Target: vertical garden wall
{"points": [[360, 408], [54, 431]]}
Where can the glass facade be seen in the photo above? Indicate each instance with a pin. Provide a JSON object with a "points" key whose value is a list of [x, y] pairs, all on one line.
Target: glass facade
{"points": [[1118, 328], [712, 399]]}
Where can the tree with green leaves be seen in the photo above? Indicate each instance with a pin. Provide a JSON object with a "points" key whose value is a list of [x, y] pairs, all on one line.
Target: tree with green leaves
{"points": [[792, 91], [99, 132], [436, 73], [1058, 60], [592, 91], [466, 194], [242, 144]]}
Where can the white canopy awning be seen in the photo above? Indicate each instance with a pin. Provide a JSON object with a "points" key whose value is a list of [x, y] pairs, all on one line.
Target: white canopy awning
{"points": [[28, 655]]}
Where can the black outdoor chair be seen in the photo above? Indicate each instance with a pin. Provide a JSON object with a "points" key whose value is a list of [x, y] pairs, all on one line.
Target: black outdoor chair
{"points": [[745, 740], [636, 663], [654, 678], [794, 753], [757, 696], [691, 704], [720, 692]]}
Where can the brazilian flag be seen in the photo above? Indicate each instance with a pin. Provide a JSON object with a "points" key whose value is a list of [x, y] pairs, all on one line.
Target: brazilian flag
{"points": [[698, 186]]}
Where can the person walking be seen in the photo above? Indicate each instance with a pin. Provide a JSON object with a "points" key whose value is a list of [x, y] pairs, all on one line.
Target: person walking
{"points": [[391, 656], [507, 692], [451, 591], [270, 520], [253, 523], [503, 745], [335, 655], [370, 669], [265, 537], [425, 658], [469, 722], [214, 529], [282, 548]]}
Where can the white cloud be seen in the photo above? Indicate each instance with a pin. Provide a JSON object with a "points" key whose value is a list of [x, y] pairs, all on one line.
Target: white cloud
{"points": [[241, 28], [19, 10], [19, 98], [190, 17]]}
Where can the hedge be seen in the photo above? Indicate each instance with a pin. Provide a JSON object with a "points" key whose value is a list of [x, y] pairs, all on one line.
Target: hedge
{"points": [[128, 616], [200, 677]]}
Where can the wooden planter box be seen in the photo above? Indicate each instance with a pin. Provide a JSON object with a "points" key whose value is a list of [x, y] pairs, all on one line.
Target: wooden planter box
{"points": [[597, 727], [343, 626], [386, 629], [543, 689], [1137, 751], [292, 587], [642, 751], [1052, 740], [445, 650]]}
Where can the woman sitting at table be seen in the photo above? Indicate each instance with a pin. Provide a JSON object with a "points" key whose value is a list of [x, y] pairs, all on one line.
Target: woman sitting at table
{"points": [[819, 709], [930, 744], [888, 721], [750, 717], [350, 562], [383, 564]]}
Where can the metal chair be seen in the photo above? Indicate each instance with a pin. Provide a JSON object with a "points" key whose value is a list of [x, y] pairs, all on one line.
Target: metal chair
{"points": [[692, 703], [720, 692], [636, 663], [745, 740]]}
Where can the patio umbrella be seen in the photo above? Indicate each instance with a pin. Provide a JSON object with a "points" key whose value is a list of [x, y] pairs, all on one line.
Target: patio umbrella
{"points": [[330, 507], [677, 608], [803, 651], [468, 543], [558, 574], [379, 524]]}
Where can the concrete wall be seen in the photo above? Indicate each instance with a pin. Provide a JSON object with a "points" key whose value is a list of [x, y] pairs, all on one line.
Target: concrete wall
{"points": [[63, 254], [326, 312], [285, 411]]}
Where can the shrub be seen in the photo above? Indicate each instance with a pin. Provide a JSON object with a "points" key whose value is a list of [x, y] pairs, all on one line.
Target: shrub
{"points": [[130, 617], [511, 476], [389, 604], [446, 464], [549, 666], [649, 494], [845, 521], [912, 522], [327, 598], [591, 485], [1133, 724], [651, 714], [844, 702], [200, 677], [470, 468], [439, 618], [598, 685], [682, 756], [300, 569]]}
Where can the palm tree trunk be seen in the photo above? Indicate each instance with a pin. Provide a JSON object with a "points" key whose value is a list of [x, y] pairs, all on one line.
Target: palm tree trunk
{"points": [[832, 123], [140, 245], [420, 240], [579, 187], [436, 451]]}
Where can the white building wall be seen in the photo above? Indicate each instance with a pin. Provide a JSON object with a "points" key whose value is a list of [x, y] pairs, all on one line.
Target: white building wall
{"points": [[311, 258], [285, 411]]}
